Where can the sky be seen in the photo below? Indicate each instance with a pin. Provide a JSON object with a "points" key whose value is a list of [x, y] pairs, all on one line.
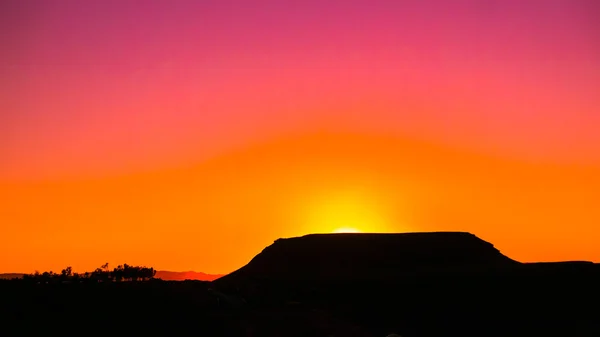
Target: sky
{"points": [[189, 135]]}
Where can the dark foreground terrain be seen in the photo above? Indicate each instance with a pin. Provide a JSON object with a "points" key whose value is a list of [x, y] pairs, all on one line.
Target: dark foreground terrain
{"points": [[414, 285]]}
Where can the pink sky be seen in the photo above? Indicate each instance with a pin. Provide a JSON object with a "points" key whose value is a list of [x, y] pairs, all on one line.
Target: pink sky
{"points": [[104, 87]]}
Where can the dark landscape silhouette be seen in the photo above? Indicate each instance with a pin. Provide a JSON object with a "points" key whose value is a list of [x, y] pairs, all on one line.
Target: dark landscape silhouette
{"points": [[412, 284]]}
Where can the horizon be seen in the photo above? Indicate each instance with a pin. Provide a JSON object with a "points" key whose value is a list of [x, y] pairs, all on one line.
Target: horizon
{"points": [[340, 232], [191, 136]]}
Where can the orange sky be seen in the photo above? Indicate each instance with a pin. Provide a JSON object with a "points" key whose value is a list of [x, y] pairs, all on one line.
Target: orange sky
{"points": [[190, 136], [215, 216]]}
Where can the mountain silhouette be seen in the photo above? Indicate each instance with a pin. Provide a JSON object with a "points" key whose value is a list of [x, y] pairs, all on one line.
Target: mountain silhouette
{"points": [[369, 256], [421, 284]]}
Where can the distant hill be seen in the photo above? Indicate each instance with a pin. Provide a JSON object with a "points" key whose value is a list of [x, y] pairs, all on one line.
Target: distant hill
{"points": [[10, 276], [185, 275]]}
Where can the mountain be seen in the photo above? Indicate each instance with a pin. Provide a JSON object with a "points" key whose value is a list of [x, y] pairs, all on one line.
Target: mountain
{"points": [[420, 284], [185, 275], [355, 256]]}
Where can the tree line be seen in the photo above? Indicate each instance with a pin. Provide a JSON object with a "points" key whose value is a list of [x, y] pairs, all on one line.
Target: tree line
{"points": [[120, 273]]}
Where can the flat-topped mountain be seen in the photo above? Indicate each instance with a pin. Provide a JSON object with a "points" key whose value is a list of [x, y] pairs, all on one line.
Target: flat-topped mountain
{"points": [[420, 284], [369, 255]]}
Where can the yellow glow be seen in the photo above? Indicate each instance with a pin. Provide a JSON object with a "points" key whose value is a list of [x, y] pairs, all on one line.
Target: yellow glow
{"points": [[346, 230], [346, 211]]}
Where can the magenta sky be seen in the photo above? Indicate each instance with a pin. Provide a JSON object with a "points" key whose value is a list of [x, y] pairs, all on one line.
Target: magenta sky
{"points": [[102, 87]]}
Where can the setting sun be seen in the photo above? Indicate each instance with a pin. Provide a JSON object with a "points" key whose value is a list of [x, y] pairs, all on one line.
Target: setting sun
{"points": [[347, 210], [346, 230]]}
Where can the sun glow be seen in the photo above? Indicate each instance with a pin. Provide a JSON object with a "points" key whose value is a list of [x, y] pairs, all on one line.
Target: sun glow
{"points": [[346, 230], [346, 211]]}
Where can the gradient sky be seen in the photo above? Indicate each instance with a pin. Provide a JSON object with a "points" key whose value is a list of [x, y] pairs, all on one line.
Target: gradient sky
{"points": [[188, 135]]}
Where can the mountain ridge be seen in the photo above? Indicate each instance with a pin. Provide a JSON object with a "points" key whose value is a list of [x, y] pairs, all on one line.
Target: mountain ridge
{"points": [[369, 255]]}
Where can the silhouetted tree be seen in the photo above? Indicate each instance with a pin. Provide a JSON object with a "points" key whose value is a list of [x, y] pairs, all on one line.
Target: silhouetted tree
{"points": [[130, 272], [147, 273], [101, 274], [67, 272], [47, 277], [118, 273]]}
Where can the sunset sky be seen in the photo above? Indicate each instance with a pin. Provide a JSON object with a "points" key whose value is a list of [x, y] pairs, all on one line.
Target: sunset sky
{"points": [[189, 135]]}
